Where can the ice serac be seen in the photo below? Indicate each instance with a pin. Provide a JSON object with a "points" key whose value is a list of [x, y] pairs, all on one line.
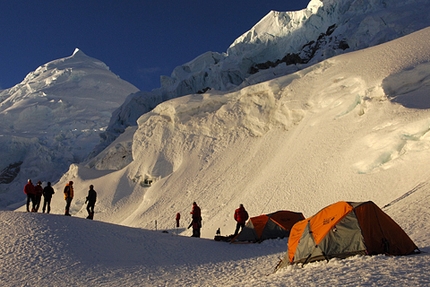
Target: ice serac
{"points": [[54, 118], [325, 28]]}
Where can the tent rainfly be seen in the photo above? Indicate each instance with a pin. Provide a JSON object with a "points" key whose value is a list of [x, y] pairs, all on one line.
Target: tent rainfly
{"points": [[344, 229], [268, 226]]}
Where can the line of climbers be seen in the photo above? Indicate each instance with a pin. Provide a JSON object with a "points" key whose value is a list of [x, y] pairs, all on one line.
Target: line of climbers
{"points": [[34, 196], [35, 193]]}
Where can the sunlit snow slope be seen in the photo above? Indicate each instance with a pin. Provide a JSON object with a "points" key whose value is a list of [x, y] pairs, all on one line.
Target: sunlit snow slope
{"points": [[339, 130]]}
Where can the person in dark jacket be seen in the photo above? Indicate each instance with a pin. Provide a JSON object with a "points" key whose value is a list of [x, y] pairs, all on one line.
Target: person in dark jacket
{"points": [[68, 196], [196, 222], [48, 191], [241, 216], [38, 191], [91, 199], [29, 191]]}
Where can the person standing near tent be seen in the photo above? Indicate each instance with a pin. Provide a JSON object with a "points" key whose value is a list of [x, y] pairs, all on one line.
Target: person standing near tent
{"points": [[29, 191], [68, 196], [241, 216], [196, 222], [91, 199], [48, 191], [38, 191]]}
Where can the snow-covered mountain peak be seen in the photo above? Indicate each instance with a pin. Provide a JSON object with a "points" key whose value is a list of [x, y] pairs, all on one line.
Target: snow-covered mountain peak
{"points": [[77, 52], [79, 56], [78, 60], [281, 33], [56, 114], [75, 64]]}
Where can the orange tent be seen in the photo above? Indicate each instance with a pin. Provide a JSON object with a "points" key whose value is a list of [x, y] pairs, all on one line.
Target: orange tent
{"points": [[268, 226], [344, 229]]}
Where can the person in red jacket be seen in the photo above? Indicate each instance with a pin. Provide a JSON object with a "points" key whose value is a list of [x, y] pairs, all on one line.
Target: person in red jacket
{"points": [[29, 191], [38, 191], [241, 216], [196, 222]]}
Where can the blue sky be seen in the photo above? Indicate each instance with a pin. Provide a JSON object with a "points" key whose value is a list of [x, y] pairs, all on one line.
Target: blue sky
{"points": [[138, 40]]}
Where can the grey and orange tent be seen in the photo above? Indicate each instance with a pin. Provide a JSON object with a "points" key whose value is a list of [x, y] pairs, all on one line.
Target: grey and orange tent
{"points": [[268, 226], [344, 229]]}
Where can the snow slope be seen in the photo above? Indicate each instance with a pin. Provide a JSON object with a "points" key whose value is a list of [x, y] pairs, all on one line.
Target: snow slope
{"points": [[339, 130], [291, 142], [53, 118], [54, 250]]}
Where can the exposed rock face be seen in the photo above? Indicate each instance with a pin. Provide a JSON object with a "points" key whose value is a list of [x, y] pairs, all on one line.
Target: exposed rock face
{"points": [[9, 173]]}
